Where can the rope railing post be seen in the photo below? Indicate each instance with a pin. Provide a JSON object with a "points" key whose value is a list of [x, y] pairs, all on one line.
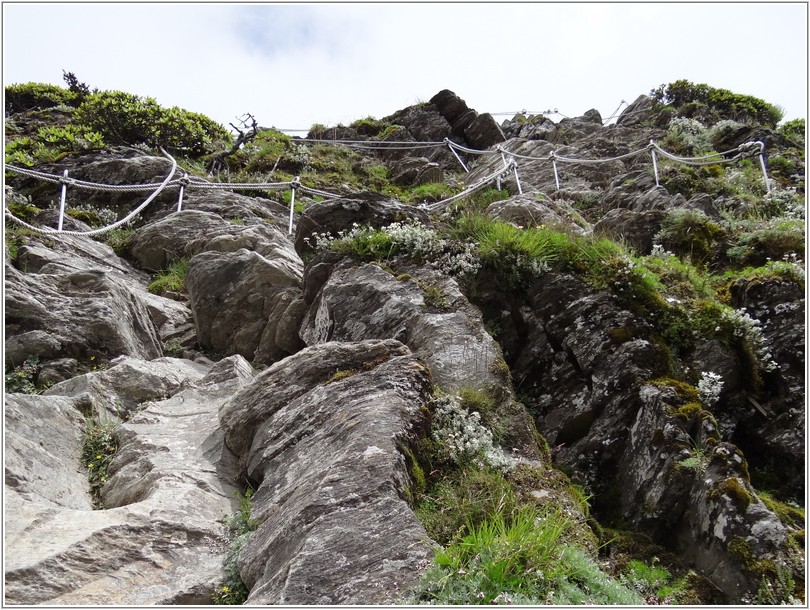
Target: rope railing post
{"points": [[517, 178], [62, 200], [556, 173], [184, 182], [293, 186], [655, 162], [762, 164], [455, 154]]}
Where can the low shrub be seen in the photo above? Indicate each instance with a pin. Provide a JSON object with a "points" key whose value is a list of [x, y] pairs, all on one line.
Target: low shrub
{"points": [[98, 450], [234, 592], [22, 379], [124, 118]]}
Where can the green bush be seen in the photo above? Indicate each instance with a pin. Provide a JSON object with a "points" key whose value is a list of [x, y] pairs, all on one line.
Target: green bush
{"points": [[462, 500], [773, 240], [711, 105], [234, 592], [795, 131], [30, 96], [124, 118], [22, 379], [690, 234], [50, 144]]}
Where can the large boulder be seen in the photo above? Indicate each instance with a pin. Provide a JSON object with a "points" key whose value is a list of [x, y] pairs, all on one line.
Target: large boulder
{"points": [[246, 303], [160, 540], [364, 209], [535, 209], [82, 314], [329, 455], [483, 131], [425, 310], [189, 232]]}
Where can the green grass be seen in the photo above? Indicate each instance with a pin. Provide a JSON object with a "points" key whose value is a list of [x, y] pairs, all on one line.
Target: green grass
{"points": [[170, 279], [518, 558], [98, 450], [234, 592]]}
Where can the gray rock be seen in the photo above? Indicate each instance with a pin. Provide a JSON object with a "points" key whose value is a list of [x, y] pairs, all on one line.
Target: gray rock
{"points": [[449, 105], [184, 234], [483, 132], [638, 113], [76, 315], [539, 128], [161, 541], [535, 209], [365, 209], [366, 302], [335, 523], [43, 444], [133, 383], [708, 505], [636, 229], [239, 300]]}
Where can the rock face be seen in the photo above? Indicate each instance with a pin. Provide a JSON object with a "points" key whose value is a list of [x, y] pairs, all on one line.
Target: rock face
{"points": [[160, 541], [426, 311], [333, 482], [246, 303], [351, 354], [79, 314], [367, 209]]}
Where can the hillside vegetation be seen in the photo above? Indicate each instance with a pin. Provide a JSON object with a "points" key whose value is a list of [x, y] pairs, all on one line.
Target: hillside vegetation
{"points": [[583, 382]]}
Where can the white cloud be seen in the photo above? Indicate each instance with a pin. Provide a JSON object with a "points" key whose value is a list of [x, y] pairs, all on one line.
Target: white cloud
{"points": [[293, 65]]}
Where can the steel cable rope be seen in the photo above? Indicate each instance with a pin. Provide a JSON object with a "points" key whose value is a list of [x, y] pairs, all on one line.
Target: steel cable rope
{"points": [[346, 142], [116, 224], [704, 160], [469, 190], [554, 156], [472, 151], [84, 184]]}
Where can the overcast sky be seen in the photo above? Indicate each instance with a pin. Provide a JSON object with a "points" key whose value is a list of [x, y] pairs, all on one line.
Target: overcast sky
{"points": [[294, 65]]}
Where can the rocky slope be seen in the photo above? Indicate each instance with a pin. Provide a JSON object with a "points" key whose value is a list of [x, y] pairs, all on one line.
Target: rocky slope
{"points": [[306, 370]]}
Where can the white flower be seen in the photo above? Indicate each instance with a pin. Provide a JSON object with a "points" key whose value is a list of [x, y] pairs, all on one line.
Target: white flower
{"points": [[709, 388]]}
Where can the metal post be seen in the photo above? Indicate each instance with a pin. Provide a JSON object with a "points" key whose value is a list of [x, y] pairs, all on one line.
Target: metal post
{"points": [[183, 182], [764, 169], [556, 174], [293, 186], [62, 201], [655, 166], [765, 173], [517, 179], [453, 150]]}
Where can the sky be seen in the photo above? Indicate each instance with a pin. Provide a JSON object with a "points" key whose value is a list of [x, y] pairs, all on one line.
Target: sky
{"points": [[292, 65]]}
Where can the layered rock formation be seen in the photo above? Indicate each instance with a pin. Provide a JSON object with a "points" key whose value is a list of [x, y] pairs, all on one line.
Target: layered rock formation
{"points": [[308, 376]]}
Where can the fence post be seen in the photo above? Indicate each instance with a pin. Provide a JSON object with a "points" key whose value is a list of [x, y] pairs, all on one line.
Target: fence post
{"points": [[453, 150], [517, 178], [293, 186], [655, 162], [62, 201], [183, 182], [556, 174], [764, 170]]}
